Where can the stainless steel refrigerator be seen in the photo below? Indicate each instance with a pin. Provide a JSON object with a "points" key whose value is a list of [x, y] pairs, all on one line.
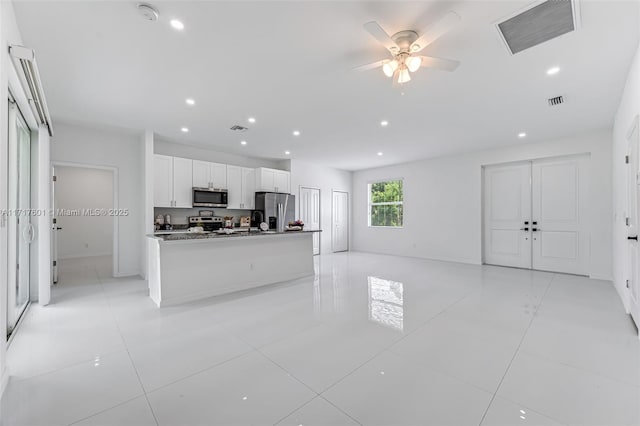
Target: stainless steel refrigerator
{"points": [[278, 209]]}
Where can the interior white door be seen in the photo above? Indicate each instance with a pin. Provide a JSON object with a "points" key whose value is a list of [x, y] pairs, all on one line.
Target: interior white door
{"points": [[560, 231], [507, 215], [310, 213], [633, 198], [340, 225]]}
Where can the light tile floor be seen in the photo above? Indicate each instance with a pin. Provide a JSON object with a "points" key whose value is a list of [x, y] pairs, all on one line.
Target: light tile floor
{"points": [[371, 340]]}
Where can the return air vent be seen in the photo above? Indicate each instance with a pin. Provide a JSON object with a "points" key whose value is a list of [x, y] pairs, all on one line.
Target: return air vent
{"points": [[556, 101], [238, 128], [538, 24]]}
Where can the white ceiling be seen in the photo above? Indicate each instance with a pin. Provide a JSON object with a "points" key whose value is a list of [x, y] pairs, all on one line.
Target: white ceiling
{"points": [[289, 65]]}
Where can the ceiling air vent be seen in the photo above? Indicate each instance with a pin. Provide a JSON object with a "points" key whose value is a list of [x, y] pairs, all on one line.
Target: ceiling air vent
{"points": [[537, 24], [238, 128], [556, 101]]}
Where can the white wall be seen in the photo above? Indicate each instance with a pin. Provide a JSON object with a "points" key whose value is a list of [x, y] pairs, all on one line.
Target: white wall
{"points": [[326, 179], [204, 154], [627, 112], [443, 202], [123, 151], [79, 188]]}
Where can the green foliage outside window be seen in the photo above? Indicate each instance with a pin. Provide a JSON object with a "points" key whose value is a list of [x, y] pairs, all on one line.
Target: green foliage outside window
{"points": [[385, 203]]}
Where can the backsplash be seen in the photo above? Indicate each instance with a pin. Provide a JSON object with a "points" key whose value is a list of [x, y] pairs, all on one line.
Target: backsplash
{"points": [[179, 216]]}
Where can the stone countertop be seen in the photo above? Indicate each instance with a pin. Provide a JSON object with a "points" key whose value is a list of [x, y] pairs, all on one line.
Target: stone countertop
{"points": [[185, 236]]}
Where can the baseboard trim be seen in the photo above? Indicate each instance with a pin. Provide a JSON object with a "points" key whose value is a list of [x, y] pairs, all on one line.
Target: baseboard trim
{"points": [[601, 277], [128, 274]]}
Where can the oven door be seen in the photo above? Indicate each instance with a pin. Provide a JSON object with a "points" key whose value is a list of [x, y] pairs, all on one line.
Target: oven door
{"points": [[204, 197]]}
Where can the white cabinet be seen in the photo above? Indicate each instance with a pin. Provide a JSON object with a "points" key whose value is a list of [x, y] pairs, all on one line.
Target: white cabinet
{"points": [[272, 180], [241, 186], [209, 175], [173, 182], [248, 188], [162, 181], [182, 182]]}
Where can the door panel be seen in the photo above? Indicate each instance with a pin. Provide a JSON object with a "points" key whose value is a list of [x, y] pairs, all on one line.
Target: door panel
{"points": [[21, 231], [340, 231], [561, 236], [507, 208], [310, 213], [248, 188], [633, 205], [219, 175]]}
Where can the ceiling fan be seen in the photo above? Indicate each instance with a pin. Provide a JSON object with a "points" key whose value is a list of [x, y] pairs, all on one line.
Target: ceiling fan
{"points": [[404, 46]]}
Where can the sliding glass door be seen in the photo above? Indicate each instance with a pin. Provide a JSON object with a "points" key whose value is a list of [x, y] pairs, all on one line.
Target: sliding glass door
{"points": [[20, 229]]}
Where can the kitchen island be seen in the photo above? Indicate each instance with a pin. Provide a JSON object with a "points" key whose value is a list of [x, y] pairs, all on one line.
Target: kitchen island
{"points": [[190, 266]]}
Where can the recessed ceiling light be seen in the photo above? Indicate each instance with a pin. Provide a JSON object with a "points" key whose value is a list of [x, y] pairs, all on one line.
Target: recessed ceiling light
{"points": [[190, 101], [251, 120], [384, 123], [553, 70], [296, 133], [522, 135], [380, 154], [185, 130], [287, 153], [178, 25], [243, 142]]}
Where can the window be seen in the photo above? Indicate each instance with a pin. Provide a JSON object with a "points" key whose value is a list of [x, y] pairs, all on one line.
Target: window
{"points": [[385, 203]]}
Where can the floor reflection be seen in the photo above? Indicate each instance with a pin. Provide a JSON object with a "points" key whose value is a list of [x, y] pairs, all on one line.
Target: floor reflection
{"points": [[386, 300]]}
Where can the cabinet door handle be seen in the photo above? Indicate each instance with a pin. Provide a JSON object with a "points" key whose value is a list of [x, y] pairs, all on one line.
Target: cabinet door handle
{"points": [[635, 237]]}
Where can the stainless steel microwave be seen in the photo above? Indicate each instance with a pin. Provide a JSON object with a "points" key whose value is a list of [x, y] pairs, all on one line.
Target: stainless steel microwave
{"points": [[208, 197]]}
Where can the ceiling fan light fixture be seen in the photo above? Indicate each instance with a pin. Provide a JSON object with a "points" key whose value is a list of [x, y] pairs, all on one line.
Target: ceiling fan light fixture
{"points": [[404, 76], [413, 63], [390, 67]]}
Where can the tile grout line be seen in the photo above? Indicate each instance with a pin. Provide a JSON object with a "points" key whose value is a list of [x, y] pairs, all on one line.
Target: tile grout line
{"points": [[124, 342], [515, 353], [386, 348]]}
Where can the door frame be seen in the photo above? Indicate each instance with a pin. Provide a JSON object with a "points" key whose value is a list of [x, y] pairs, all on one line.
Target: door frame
{"points": [[319, 211], [116, 219], [333, 191]]}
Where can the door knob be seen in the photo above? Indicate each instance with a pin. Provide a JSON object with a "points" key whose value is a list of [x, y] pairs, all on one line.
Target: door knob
{"points": [[635, 237]]}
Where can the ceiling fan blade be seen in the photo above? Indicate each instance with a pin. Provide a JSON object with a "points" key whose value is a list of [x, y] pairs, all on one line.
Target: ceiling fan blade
{"points": [[439, 63], [370, 66], [381, 35], [444, 25]]}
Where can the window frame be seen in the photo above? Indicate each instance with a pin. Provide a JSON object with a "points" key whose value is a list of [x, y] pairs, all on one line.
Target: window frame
{"points": [[370, 204]]}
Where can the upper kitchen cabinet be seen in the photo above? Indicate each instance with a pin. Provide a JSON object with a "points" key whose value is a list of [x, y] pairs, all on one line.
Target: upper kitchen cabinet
{"points": [[272, 180], [241, 186], [173, 181], [209, 175]]}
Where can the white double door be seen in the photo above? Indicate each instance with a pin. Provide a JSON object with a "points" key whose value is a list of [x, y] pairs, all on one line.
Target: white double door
{"points": [[535, 215]]}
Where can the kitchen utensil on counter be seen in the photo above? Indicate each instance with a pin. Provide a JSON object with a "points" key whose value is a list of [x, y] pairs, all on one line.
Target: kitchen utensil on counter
{"points": [[245, 221], [264, 226], [228, 221]]}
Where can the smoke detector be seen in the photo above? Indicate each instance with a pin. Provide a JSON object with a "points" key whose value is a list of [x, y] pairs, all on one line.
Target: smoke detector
{"points": [[148, 12]]}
